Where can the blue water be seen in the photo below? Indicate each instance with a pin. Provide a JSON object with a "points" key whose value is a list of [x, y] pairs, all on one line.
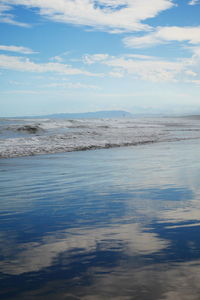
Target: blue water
{"points": [[105, 224]]}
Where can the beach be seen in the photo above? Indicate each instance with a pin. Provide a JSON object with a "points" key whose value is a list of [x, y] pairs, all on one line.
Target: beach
{"points": [[99, 150], [119, 223]]}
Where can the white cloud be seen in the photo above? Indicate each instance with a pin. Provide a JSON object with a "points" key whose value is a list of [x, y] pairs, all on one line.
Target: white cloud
{"points": [[194, 81], [7, 17], [72, 85], [26, 65], [17, 49], [140, 67], [150, 68], [164, 35], [193, 2], [93, 58], [57, 58], [191, 73], [108, 15], [140, 56], [195, 50], [116, 74]]}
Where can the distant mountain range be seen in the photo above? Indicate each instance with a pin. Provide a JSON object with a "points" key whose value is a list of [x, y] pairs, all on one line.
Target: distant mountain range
{"points": [[88, 115]]}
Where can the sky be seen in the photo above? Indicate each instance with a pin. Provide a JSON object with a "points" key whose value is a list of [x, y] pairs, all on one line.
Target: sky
{"points": [[60, 56]]}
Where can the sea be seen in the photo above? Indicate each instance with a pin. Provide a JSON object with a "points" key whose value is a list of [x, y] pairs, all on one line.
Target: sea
{"points": [[100, 209], [25, 137]]}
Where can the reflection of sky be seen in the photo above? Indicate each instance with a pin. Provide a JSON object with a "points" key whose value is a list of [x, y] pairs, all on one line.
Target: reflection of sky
{"points": [[127, 238], [116, 223]]}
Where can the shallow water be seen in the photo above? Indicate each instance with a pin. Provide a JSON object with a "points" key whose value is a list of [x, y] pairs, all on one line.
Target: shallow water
{"points": [[118, 223]]}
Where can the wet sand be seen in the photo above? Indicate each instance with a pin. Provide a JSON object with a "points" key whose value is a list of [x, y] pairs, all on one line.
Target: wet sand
{"points": [[118, 223]]}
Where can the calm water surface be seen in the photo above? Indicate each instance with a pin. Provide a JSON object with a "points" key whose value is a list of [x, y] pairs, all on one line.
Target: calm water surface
{"points": [[106, 224]]}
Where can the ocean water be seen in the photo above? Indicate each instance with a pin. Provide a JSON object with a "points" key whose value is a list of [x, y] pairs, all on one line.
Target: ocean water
{"points": [[120, 223], [25, 137]]}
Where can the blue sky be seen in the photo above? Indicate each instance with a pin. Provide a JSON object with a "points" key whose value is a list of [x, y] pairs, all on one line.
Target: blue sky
{"points": [[88, 55]]}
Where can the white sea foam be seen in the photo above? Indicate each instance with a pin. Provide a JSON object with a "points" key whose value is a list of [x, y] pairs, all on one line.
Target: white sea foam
{"points": [[29, 137]]}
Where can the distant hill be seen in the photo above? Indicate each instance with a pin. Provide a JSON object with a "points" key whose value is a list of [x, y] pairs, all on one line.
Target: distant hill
{"points": [[88, 115], [195, 117]]}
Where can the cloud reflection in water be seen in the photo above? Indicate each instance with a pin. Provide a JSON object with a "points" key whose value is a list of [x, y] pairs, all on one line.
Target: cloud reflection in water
{"points": [[111, 224]]}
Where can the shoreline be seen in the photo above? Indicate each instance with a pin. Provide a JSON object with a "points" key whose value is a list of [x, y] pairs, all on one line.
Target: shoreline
{"points": [[110, 147], [86, 148]]}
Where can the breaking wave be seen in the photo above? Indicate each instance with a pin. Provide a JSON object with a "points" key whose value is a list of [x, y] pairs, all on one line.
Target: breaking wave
{"points": [[30, 137]]}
